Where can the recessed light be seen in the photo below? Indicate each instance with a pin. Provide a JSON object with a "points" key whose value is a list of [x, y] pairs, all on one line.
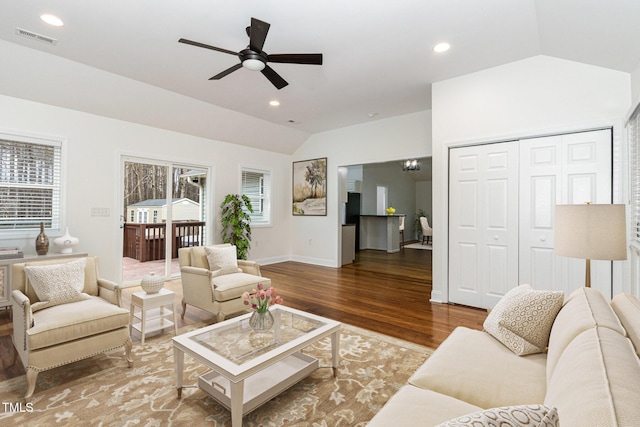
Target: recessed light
{"points": [[274, 103], [441, 47], [372, 115], [52, 20]]}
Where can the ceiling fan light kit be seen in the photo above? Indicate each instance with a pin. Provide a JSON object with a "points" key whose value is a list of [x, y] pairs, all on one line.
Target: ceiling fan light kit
{"points": [[255, 59]]}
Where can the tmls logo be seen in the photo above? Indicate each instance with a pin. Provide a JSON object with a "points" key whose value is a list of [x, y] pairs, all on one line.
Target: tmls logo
{"points": [[17, 407]]}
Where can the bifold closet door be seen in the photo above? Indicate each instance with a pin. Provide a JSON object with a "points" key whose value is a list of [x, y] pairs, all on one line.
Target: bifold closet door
{"points": [[565, 169], [483, 223]]}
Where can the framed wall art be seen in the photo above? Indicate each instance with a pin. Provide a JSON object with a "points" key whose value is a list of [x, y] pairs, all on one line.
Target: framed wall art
{"points": [[310, 187]]}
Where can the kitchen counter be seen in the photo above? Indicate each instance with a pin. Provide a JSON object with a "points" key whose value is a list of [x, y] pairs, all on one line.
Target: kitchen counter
{"points": [[381, 232]]}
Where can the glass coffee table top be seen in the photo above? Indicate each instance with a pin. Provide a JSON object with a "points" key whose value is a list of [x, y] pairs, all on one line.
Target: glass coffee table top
{"points": [[238, 343]]}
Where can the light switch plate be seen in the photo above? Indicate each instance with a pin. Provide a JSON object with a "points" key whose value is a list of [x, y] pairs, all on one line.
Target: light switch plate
{"points": [[100, 212]]}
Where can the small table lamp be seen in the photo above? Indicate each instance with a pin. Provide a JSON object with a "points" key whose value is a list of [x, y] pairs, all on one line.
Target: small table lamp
{"points": [[591, 232]]}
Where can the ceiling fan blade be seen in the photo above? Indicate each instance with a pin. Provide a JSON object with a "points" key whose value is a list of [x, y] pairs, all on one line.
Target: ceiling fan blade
{"points": [[206, 46], [226, 72], [257, 34], [274, 77], [297, 58]]}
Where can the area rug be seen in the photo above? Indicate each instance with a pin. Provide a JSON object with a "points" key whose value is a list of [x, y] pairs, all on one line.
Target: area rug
{"points": [[426, 247], [102, 391]]}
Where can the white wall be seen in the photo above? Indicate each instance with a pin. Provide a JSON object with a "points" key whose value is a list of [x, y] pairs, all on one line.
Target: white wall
{"points": [[94, 145], [317, 239], [534, 96], [635, 85], [400, 186]]}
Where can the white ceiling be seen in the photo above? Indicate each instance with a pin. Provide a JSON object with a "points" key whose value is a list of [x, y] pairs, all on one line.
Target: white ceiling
{"points": [[377, 54]]}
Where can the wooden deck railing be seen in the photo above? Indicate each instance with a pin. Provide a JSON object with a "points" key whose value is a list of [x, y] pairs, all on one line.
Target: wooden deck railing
{"points": [[146, 242]]}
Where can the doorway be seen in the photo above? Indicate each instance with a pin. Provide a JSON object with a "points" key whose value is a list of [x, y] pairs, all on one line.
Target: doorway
{"points": [[163, 210]]}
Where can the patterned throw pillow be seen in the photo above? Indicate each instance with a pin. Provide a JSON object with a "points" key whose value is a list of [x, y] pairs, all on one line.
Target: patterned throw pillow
{"points": [[522, 319], [57, 283], [509, 416], [222, 260]]}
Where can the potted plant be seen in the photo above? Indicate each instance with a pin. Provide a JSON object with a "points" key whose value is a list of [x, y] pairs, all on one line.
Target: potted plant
{"points": [[235, 221]]}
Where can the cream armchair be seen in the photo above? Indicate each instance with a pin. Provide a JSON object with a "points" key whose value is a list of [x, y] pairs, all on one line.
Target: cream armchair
{"points": [[217, 289], [427, 231], [62, 330]]}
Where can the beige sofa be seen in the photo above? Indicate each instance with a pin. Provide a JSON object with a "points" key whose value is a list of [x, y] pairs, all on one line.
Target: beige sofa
{"points": [[47, 334], [213, 290], [590, 373]]}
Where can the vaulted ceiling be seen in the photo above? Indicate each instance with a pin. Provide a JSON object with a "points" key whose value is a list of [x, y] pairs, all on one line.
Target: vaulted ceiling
{"points": [[378, 57]]}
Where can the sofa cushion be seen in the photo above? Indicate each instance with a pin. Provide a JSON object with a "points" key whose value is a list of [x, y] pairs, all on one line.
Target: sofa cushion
{"points": [[520, 416], [627, 307], [523, 317], [473, 366], [230, 286], [56, 284], [68, 322], [597, 381], [585, 309], [222, 260], [413, 406]]}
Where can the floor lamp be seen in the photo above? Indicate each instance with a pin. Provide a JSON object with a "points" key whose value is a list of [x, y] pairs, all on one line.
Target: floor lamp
{"points": [[589, 232]]}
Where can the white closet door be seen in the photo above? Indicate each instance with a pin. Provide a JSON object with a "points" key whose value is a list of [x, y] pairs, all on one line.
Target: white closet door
{"points": [[564, 169], [483, 198]]}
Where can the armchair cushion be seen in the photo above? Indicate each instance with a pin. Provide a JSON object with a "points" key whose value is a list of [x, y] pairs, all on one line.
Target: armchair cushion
{"points": [[222, 260], [230, 286], [75, 320], [57, 284]]}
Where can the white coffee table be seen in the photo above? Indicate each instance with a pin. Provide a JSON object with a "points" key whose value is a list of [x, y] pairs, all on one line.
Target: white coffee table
{"points": [[249, 368]]}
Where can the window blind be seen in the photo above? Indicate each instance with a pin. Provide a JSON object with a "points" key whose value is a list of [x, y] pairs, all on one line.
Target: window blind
{"points": [[633, 135], [256, 185], [29, 185]]}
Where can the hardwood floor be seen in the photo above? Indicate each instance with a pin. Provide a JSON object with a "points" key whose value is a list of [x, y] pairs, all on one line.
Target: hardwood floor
{"points": [[387, 293]]}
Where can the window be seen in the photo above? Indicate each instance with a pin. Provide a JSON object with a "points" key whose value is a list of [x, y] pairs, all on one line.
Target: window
{"points": [[633, 134], [155, 216], [143, 216], [256, 184], [30, 183]]}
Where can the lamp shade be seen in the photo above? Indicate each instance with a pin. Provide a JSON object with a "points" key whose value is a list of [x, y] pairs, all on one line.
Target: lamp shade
{"points": [[591, 232]]}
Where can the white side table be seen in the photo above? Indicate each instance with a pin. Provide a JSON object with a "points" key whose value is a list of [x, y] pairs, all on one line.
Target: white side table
{"points": [[157, 312]]}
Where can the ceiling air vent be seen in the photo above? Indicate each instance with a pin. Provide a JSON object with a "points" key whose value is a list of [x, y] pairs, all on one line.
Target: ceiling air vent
{"points": [[35, 36]]}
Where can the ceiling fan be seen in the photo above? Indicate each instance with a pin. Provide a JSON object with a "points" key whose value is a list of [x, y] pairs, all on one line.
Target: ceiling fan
{"points": [[254, 58]]}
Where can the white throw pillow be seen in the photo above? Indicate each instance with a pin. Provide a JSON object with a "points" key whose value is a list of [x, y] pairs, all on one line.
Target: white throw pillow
{"points": [[522, 319], [509, 416], [222, 259], [57, 283]]}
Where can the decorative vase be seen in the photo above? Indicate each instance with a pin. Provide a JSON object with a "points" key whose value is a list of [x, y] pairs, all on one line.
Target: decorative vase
{"points": [[67, 242], [152, 284], [261, 321], [42, 242]]}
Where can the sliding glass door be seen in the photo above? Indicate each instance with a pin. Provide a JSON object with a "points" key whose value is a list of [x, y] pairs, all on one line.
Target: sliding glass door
{"points": [[164, 209]]}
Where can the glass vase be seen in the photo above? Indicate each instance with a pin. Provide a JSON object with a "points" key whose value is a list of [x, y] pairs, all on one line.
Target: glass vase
{"points": [[261, 321]]}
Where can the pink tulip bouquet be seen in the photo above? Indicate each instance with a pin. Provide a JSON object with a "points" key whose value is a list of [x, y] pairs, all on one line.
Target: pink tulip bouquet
{"points": [[261, 299]]}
